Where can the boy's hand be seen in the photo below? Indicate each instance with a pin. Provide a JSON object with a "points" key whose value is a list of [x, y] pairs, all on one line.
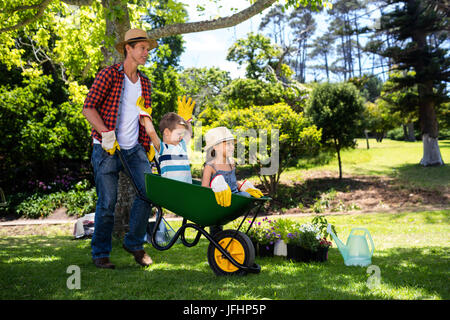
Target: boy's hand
{"points": [[185, 109], [109, 142], [248, 187], [221, 190], [143, 111]]}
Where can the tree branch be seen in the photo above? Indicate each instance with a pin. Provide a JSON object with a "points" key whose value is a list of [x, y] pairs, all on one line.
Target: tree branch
{"points": [[227, 22], [41, 9]]}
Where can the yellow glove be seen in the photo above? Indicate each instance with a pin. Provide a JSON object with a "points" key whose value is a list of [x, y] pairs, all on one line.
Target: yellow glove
{"points": [[185, 109], [143, 111], [109, 142], [151, 153], [221, 191], [248, 187]]}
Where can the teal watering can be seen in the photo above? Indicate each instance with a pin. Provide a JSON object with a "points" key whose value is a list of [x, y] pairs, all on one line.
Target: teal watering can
{"points": [[356, 252]]}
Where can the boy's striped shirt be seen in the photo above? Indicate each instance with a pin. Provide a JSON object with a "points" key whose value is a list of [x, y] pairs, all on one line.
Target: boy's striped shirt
{"points": [[174, 162]]}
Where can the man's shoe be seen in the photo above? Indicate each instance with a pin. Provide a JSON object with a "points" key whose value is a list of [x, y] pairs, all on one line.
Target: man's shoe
{"points": [[103, 263], [140, 256]]}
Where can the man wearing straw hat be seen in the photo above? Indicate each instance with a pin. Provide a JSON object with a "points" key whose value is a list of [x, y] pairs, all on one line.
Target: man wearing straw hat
{"points": [[110, 107]]}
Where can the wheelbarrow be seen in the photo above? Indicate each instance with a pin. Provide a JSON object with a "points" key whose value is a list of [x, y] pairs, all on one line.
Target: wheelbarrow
{"points": [[230, 252]]}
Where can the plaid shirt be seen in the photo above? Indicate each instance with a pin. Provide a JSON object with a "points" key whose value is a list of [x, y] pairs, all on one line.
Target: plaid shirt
{"points": [[105, 96]]}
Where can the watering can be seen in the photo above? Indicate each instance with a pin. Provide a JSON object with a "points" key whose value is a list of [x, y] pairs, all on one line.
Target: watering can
{"points": [[356, 252]]}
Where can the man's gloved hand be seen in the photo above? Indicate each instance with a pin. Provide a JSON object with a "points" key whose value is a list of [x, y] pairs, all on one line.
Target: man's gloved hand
{"points": [[185, 109], [143, 111], [109, 141], [151, 153], [221, 190], [248, 187]]}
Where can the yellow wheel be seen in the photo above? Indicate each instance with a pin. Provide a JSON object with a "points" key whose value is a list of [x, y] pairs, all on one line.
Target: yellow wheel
{"points": [[239, 247]]}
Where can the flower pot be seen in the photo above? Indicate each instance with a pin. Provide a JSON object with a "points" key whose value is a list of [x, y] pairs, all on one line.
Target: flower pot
{"points": [[322, 254], [299, 254], [255, 245], [265, 250], [280, 248]]}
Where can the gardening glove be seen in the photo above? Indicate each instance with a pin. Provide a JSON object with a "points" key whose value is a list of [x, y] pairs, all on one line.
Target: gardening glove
{"points": [[151, 153], [248, 187], [185, 108], [143, 111], [109, 142], [221, 190]]}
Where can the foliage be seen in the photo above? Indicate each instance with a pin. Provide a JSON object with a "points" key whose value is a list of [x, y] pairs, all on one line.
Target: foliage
{"points": [[263, 231], [257, 52], [35, 131], [305, 235], [379, 118], [244, 93], [322, 224], [78, 201], [205, 86], [297, 137], [338, 110]]}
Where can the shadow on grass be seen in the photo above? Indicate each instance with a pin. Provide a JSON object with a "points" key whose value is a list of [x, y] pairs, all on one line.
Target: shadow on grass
{"points": [[36, 268], [423, 177], [310, 190]]}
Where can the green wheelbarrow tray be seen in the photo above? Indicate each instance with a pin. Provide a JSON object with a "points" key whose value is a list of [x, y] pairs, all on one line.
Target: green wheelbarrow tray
{"points": [[194, 202], [198, 205]]}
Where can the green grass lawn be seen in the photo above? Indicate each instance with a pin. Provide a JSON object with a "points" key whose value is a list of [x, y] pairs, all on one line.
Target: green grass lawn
{"points": [[412, 252], [396, 159]]}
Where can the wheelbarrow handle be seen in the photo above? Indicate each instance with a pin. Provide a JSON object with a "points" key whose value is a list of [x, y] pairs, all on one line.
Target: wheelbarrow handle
{"points": [[133, 183]]}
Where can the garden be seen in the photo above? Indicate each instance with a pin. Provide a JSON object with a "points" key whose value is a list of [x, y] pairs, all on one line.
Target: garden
{"points": [[347, 147]]}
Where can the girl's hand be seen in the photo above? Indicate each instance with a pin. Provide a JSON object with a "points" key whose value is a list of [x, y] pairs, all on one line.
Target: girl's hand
{"points": [[248, 187], [221, 190]]}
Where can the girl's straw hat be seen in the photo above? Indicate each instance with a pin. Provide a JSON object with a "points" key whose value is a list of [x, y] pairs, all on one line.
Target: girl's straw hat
{"points": [[216, 136], [136, 35]]}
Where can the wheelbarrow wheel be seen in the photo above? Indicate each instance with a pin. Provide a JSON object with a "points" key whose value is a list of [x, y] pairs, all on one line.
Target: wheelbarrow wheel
{"points": [[240, 248]]}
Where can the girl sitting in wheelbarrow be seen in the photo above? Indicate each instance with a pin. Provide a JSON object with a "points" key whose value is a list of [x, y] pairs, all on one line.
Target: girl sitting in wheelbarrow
{"points": [[219, 172]]}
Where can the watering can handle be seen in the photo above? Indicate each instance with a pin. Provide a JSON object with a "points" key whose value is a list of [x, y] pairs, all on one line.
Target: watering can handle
{"points": [[368, 233]]}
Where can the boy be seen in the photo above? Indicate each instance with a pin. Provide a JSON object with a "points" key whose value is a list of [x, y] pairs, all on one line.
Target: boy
{"points": [[172, 150]]}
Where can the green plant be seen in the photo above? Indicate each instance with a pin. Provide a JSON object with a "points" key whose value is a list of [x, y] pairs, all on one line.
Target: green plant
{"points": [[322, 224], [305, 235]]}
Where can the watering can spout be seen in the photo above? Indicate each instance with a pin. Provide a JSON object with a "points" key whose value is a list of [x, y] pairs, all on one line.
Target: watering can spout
{"points": [[341, 246]]}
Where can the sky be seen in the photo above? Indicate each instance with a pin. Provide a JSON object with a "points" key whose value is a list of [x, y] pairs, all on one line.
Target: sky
{"points": [[209, 48]]}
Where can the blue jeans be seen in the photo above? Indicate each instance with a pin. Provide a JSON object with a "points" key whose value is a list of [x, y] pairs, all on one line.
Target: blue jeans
{"points": [[106, 174]]}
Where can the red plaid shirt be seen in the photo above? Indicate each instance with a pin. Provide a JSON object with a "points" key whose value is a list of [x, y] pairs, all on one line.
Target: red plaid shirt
{"points": [[104, 96]]}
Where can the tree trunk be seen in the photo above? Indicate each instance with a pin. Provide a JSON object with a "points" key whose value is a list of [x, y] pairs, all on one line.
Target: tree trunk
{"points": [[410, 132], [338, 151], [367, 138], [431, 152]]}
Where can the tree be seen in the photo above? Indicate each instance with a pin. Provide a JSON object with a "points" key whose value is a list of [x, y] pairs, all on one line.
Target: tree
{"points": [[101, 24], [338, 110], [257, 52], [420, 29], [323, 47]]}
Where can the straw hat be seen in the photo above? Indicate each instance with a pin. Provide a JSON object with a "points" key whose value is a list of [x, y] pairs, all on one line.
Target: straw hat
{"points": [[216, 136], [136, 35]]}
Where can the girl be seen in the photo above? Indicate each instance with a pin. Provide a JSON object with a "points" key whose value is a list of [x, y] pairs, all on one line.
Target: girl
{"points": [[219, 171]]}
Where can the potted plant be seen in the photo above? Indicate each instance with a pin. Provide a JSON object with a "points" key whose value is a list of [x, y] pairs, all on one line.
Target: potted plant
{"points": [[322, 252], [267, 238], [303, 243], [282, 227]]}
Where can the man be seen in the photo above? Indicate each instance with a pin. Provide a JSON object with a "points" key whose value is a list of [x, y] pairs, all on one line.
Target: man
{"points": [[110, 107]]}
